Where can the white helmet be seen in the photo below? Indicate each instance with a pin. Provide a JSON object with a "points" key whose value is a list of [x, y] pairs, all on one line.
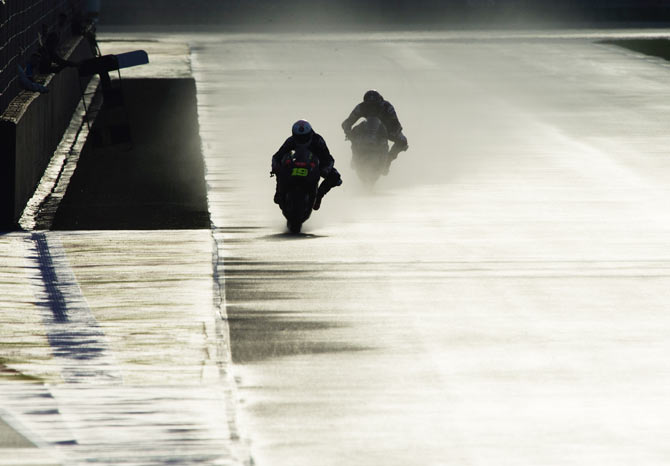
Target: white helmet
{"points": [[302, 132]]}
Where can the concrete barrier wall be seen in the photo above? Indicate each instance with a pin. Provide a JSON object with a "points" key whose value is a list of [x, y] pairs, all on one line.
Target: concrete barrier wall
{"points": [[30, 130], [21, 24]]}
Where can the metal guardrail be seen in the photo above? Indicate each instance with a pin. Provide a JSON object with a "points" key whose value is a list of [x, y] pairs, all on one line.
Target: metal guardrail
{"points": [[21, 25]]}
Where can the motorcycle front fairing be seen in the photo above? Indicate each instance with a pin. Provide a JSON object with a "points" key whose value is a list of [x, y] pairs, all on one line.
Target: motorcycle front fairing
{"points": [[298, 182]]}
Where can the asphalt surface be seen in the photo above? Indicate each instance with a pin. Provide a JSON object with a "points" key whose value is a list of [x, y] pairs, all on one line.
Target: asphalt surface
{"points": [[499, 298]]}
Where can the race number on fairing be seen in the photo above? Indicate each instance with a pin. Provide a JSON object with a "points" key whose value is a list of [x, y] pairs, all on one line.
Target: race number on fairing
{"points": [[300, 172]]}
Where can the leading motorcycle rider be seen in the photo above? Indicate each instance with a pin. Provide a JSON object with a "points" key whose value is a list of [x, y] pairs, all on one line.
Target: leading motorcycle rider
{"points": [[374, 105], [304, 135]]}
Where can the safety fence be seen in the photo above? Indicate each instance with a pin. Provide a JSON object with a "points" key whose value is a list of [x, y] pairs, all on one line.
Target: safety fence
{"points": [[23, 24]]}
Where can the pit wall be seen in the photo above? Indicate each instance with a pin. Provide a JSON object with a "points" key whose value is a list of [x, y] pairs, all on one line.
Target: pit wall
{"points": [[30, 130]]}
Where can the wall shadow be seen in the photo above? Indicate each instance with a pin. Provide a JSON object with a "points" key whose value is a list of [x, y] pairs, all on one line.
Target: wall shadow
{"points": [[259, 336], [653, 47], [142, 166]]}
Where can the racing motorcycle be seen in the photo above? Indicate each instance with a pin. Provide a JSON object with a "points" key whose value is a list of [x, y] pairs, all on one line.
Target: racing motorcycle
{"points": [[369, 149], [298, 178]]}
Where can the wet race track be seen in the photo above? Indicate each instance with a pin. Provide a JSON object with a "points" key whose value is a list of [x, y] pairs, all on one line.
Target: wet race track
{"points": [[500, 298]]}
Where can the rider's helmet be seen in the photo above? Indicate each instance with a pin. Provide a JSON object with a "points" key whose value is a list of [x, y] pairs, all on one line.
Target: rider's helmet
{"points": [[302, 132], [373, 98]]}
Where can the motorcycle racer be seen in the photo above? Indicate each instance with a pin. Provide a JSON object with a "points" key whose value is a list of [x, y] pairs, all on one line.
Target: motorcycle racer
{"points": [[374, 105], [304, 135]]}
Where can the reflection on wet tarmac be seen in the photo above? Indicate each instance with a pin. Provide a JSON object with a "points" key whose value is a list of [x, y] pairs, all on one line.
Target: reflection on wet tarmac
{"points": [[501, 296], [507, 281], [137, 369], [256, 336]]}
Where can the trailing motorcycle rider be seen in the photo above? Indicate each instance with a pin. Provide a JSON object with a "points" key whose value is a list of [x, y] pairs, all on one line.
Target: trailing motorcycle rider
{"points": [[303, 135], [374, 105]]}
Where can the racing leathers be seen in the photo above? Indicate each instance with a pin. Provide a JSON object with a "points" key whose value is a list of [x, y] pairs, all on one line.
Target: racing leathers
{"points": [[317, 146], [386, 113]]}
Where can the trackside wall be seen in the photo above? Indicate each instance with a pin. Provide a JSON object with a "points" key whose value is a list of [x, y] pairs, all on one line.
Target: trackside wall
{"points": [[30, 130]]}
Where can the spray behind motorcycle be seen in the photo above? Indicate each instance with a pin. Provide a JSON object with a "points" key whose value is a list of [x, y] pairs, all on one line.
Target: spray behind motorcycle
{"points": [[369, 150]]}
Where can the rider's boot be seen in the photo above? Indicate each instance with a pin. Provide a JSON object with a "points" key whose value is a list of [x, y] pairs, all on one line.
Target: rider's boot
{"points": [[317, 201], [397, 148], [332, 179], [391, 157], [324, 187]]}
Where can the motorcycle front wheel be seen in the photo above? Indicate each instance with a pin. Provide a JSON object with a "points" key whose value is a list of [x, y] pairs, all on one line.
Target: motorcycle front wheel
{"points": [[294, 226], [297, 209]]}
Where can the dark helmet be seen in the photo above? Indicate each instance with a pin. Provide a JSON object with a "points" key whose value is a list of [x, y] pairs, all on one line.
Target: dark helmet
{"points": [[373, 96], [302, 132]]}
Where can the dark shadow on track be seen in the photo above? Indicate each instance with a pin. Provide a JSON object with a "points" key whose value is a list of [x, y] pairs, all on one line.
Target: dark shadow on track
{"points": [[258, 336], [653, 47], [287, 236], [141, 167]]}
